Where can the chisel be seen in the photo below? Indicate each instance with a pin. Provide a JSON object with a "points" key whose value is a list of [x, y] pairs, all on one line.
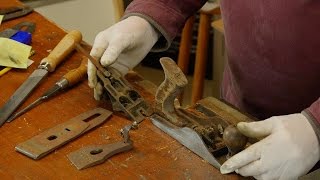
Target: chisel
{"points": [[48, 64], [71, 78]]}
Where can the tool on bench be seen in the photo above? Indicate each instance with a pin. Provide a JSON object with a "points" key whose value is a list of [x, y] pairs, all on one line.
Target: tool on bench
{"points": [[15, 12], [206, 128], [123, 98], [48, 64], [133, 106], [22, 33], [71, 78], [51, 139]]}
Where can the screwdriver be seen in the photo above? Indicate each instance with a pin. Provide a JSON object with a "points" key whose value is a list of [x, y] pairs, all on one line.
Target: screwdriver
{"points": [[72, 77]]}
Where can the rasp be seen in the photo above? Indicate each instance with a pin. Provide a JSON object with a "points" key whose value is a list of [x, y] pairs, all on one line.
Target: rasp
{"points": [[48, 64]]}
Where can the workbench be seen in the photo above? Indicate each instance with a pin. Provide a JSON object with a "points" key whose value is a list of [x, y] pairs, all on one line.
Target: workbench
{"points": [[155, 155]]}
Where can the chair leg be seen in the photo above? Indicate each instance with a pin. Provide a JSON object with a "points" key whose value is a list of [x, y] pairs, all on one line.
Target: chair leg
{"points": [[185, 48], [201, 58], [185, 45], [118, 6]]}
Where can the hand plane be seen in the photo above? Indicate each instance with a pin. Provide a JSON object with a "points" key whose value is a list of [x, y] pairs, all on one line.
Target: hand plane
{"points": [[207, 128]]}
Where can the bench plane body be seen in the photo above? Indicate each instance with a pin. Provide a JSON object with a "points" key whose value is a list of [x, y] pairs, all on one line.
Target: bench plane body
{"points": [[200, 127]]}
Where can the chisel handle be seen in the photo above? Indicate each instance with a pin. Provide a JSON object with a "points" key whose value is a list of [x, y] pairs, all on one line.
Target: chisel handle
{"points": [[78, 74], [62, 49]]}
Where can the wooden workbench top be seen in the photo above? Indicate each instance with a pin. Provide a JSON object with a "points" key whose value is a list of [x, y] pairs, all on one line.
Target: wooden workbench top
{"points": [[155, 155]]}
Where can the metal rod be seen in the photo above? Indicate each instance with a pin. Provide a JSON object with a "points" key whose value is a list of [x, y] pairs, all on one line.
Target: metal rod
{"points": [[30, 106], [93, 60]]}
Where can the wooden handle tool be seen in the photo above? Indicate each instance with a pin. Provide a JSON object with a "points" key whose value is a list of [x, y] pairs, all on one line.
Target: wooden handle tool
{"points": [[72, 77], [48, 64], [78, 74], [63, 48]]}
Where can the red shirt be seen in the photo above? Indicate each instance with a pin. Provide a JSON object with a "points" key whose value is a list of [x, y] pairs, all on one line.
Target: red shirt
{"points": [[273, 50]]}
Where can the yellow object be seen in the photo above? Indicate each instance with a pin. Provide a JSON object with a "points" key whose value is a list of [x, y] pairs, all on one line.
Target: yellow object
{"points": [[6, 69], [13, 53], [1, 17], [3, 71]]}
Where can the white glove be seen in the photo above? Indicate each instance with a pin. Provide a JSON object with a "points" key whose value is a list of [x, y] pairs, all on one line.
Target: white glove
{"points": [[122, 46], [290, 149]]}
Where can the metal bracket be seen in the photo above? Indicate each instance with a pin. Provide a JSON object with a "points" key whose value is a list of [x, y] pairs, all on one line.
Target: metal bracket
{"points": [[97, 154], [94, 155]]}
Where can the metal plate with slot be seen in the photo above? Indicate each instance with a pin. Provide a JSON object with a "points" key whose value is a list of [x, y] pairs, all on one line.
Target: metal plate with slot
{"points": [[51, 139]]}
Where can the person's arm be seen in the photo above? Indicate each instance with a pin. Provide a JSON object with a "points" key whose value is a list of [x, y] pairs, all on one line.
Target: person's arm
{"points": [[167, 16]]}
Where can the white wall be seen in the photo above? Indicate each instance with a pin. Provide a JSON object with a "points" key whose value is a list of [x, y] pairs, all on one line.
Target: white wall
{"points": [[89, 17]]}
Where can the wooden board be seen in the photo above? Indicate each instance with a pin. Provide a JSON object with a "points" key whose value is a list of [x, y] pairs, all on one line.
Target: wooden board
{"points": [[155, 154]]}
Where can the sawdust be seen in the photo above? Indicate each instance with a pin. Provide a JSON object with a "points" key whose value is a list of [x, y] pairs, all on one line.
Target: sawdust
{"points": [[129, 158], [124, 165]]}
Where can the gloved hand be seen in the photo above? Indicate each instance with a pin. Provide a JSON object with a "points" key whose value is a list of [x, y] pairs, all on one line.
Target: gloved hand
{"points": [[122, 46], [290, 149]]}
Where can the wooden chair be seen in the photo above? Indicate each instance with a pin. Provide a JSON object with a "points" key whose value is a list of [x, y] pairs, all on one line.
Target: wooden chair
{"points": [[201, 51]]}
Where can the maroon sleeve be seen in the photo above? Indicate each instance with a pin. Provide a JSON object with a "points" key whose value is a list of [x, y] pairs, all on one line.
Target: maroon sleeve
{"points": [[167, 16], [313, 115], [314, 110]]}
